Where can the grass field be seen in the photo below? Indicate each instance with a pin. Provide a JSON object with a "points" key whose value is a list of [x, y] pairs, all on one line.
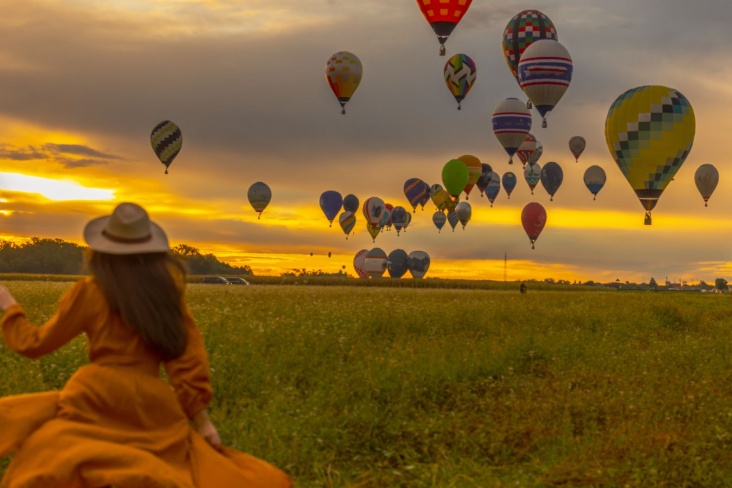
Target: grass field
{"points": [[346, 386]]}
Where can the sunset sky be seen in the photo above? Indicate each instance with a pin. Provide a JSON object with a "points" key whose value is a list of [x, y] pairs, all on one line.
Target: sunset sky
{"points": [[83, 82]]}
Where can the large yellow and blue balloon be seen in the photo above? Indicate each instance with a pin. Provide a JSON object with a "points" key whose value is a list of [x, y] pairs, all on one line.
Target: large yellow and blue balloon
{"points": [[649, 131]]}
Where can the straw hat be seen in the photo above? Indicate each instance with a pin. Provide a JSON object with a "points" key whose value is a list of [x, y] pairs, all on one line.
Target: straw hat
{"points": [[128, 230]]}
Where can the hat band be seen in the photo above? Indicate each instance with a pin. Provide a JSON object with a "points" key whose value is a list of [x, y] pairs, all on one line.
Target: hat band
{"points": [[126, 240]]}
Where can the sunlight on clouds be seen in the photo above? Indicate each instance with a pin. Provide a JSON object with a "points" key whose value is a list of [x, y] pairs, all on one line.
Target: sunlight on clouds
{"points": [[57, 190]]}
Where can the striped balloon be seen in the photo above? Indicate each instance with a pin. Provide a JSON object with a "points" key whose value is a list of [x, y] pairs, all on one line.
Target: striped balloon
{"points": [[347, 220], [545, 71], [511, 124], [166, 140]]}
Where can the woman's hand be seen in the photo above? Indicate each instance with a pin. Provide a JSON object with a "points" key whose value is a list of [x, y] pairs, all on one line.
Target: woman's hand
{"points": [[7, 299], [208, 431]]}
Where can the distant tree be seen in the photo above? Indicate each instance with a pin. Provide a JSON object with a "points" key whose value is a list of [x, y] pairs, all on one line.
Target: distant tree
{"points": [[652, 284], [721, 284], [201, 264]]}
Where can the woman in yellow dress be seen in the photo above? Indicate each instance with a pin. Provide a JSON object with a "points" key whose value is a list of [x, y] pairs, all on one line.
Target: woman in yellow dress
{"points": [[116, 422]]}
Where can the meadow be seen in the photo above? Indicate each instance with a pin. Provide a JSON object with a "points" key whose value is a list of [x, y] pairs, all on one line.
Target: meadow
{"points": [[346, 386]]}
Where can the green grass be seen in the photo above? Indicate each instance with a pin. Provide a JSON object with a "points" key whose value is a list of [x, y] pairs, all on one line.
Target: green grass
{"points": [[349, 386]]}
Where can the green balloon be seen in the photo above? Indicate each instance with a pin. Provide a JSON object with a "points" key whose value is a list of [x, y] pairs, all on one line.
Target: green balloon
{"points": [[455, 176]]}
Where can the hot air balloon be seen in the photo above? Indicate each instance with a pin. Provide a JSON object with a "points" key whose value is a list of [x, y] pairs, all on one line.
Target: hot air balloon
{"points": [[485, 177], [523, 29], [464, 212], [418, 264], [526, 149], [350, 203], [459, 73], [399, 218], [577, 146], [443, 16], [373, 230], [343, 71], [533, 218], [373, 210], [397, 263], [439, 219], [551, 178], [425, 196], [511, 124], [494, 187], [595, 179], [347, 220], [508, 180], [166, 140], [441, 198], [358, 263], [538, 151], [259, 195], [375, 262], [706, 178], [532, 175], [414, 190], [455, 177], [649, 131], [475, 169], [453, 219], [545, 71], [331, 203], [407, 221], [386, 216]]}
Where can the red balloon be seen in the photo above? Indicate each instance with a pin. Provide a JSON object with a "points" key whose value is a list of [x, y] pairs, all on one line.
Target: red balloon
{"points": [[533, 218], [443, 16]]}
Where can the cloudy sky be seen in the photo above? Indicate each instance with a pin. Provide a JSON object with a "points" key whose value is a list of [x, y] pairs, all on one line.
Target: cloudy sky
{"points": [[83, 82]]}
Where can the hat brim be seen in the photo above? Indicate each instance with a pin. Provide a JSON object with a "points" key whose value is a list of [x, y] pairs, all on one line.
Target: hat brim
{"points": [[95, 238]]}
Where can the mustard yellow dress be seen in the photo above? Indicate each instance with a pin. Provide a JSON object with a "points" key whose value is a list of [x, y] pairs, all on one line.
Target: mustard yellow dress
{"points": [[115, 422]]}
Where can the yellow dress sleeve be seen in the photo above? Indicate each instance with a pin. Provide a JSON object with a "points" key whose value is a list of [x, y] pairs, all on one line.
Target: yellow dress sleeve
{"points": [[23, 337], [190, 373]]}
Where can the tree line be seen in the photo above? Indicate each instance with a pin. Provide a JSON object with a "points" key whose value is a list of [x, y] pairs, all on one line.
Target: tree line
{"points": [[55, 256]]}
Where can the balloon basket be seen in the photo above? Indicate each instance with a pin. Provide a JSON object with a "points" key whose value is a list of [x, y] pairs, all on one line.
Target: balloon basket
{"points": [[647, 220]]}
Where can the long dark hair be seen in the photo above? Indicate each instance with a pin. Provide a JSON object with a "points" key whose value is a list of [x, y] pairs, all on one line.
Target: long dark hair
{"points": [[144, 290]]}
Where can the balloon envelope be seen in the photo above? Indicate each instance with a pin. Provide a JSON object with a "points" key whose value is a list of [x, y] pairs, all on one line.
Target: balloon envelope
{"points": [[551, 178], [331, 203], [375, 262], [358, 263], [418, 264], [343, 71], [259, 196], [511, 124], [166, 140], [508, 180], [455, 176], [397, 263], [594, 179], [533, 219], [475, 169], [526, 149], [494, 187], [485, 177], [399, 217], [373, 210], [577, 146], [532, 175], [545, 71], [464, 212], [443, 16], [347, 220], [414, 190], [439, 219], [521, 31], [649, 131], [459, 73], [706, 178], [350, 203]]}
